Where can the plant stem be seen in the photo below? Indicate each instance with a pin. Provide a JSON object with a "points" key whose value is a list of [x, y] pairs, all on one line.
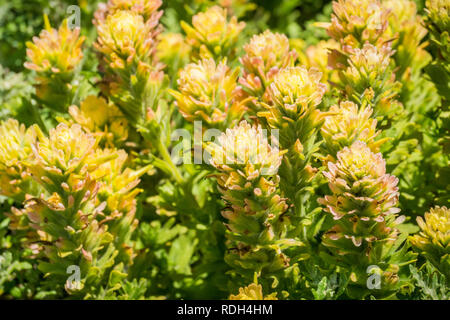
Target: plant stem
{"points": [[169, 163]]}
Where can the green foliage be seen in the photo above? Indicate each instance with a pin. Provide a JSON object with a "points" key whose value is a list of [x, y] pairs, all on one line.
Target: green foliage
{"points": [[430, 284]]}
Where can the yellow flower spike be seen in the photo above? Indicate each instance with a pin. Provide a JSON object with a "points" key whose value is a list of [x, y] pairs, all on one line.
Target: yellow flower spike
{"points": [[212, 34], [146, 8], [55, 55], [439, 13], [402, 11], [297, 85], [267, 52], [347, 123], [407, 30], [67, 150], [15, 147], [294, 92], [247, 147], [124, 34], [96, 116], [55, 51], [117, 184], [265, 55], [433, 241], [368, 73], [248, 181], [127, 44], [252, 292], [356, 22], [363, 207], [359, 176], [207, 92]]}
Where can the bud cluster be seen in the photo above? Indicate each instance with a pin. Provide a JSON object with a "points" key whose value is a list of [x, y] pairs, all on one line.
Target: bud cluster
{"points": [[363, 207], [208, 92], [212, 34], [127, 44], [105, 120], [248, 181], [433, 241], [85, 214], [55, 55], [264, 56]]}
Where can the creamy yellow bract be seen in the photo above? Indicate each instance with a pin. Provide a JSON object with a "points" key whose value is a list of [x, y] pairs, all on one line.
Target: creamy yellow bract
{"points": [[212, 34], [207, 92]]}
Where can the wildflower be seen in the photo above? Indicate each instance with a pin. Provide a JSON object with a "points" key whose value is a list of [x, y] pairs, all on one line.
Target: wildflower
{"points": [[367, 73], [438, 24], [61, 163], [363, 208], [353, 178], [433, 241], [15, 147], [128, 47], [107, 121], [55, 55], [148, 9], [295, 94], [294, 90], [348, 123], [248, 181], [118, 191], [88, 211], [212, 35], [265, 55], [66, 149], [252, 292], [207, 92], [354, 22], [406, 28]]}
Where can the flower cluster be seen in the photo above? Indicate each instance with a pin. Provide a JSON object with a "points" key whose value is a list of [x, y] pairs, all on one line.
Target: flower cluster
{"points": [[265, 55], [208, 92], [295, 94], [252, 292], [406, 27], [146, 8], [306, 149], [355, 22], [317, 56], [55, 55], [99, 118], [438, 24], [212, 34], [127, 44], [248, 181], [433, 241], [173, 51], [85, 215], [363, 208], [348, 123], [366, 73], [15, 147]]}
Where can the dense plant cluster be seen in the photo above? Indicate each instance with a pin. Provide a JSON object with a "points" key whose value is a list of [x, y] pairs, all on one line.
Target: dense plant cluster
{"points": [[238, 149]]}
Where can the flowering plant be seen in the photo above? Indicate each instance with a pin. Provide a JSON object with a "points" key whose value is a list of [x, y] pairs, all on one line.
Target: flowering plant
{"points": [[227, 150]]}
